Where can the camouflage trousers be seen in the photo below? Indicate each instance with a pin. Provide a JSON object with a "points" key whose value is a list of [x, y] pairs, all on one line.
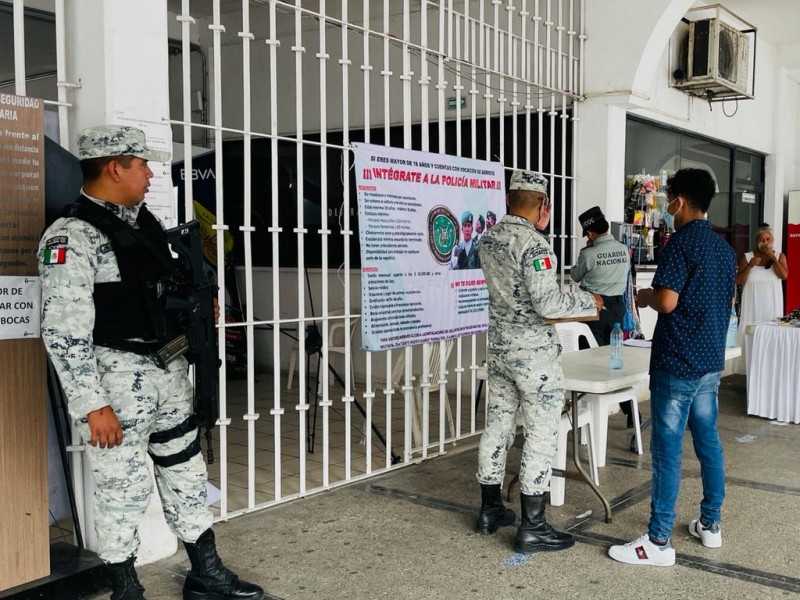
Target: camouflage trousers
{"points": [[532, 384], [145, 402]]}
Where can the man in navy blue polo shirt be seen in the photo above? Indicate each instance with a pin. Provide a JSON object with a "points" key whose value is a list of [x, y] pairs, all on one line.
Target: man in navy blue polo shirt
{"points": [[692, 292]]}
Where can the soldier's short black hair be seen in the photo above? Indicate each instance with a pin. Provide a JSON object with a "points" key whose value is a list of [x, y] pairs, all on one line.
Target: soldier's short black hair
{"points": [[525, 198], [697, 186], [93, 167]]}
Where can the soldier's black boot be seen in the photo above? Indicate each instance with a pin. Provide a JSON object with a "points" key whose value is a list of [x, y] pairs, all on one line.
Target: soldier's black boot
{"points": [[124, 582], [209, 579], [493, 513], [534, 533]]}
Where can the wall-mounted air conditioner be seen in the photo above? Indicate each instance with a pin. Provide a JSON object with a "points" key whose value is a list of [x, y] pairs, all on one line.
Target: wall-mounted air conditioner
{"points": [[716, 60]]}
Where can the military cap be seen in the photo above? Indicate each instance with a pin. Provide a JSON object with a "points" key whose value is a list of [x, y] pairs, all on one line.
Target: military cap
{"points": [[117, 140], [491, 215], [593, 220], [466, 217], [529, 181], [481, 220]]}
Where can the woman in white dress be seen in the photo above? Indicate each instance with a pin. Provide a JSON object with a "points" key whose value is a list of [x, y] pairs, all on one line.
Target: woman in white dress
{"points": [[761, 273]]}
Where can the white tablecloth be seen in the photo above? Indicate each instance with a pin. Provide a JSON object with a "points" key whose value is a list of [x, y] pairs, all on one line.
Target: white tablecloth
{"points": [[773, 373]]}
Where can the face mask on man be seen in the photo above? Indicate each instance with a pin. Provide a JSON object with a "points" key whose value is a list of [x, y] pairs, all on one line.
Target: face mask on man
{"points": [[669, 219]]}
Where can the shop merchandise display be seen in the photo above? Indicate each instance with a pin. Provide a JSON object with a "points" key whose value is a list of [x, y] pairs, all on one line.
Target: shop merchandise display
{"points": [[645, 203]]}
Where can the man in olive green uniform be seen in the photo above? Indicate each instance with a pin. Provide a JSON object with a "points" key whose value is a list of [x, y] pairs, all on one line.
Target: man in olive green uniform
{"points": [[524, 361], [603, 268]]}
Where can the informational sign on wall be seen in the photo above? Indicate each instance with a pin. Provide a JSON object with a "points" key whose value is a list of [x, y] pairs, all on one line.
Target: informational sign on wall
{"points": [[20, 300], [21, 182], [421, 217], [24, 539]]}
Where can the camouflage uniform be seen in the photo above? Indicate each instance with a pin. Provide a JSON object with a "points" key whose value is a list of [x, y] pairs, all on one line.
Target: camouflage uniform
{"points": [[524, 363], [145, 397]]}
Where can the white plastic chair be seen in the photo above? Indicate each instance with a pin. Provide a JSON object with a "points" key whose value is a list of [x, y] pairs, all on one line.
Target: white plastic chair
{"points": [[602, 404], [336, 342], [586, 423]]}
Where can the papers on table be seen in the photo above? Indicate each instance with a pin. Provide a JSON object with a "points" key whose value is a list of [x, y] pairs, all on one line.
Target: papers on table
{"points": [[584, 314], [638, 343]]}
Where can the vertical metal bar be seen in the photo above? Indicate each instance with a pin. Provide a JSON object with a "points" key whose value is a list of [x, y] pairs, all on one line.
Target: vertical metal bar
{"points": [[247, 230], [475, 33], [406, 79], [61, 76], [386, 73], [346, 233], [369, 394], [458, 88], [76, 446], [324, 232], [572, 87], [517, 58], [562, 216], [552, 112], [441, 84], [302, 406], [582, 50], [424, 79], [277, 410], [18, 16], [217, 29], [186, 21], [487, 94]]}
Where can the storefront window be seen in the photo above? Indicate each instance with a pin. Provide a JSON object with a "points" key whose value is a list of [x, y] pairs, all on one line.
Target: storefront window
{"points": [[654, 152]]}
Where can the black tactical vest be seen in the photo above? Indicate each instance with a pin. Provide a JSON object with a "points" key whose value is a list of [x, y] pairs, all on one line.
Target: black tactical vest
{"points": [[126, 309]]}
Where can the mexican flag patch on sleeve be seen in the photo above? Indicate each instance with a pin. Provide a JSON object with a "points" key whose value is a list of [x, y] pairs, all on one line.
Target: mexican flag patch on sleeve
{"points": [[54, 256], [542, 264]]}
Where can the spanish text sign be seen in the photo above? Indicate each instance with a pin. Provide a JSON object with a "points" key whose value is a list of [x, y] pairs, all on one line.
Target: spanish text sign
{"points": [[421, 218], [20, 300]]}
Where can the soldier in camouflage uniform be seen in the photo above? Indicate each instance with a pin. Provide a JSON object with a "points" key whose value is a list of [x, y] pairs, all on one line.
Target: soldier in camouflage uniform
{"points": [[118, 398], [524, 361]]}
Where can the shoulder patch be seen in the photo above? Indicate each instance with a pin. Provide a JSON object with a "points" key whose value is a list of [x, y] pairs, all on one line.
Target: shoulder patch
{"points": [[59, 240], [542, 264], [105, 248], [54, 256]]}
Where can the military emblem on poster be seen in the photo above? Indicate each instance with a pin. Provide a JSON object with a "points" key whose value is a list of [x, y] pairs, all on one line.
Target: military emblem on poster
{"points": [[442, 233]]}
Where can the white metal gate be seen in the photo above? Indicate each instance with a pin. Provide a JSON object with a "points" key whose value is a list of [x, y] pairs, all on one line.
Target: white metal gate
{"points": [[487, 79], [280, 90]]}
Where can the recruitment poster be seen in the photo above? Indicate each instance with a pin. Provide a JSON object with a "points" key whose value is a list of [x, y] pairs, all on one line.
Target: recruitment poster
{"points": [[422, 216]]}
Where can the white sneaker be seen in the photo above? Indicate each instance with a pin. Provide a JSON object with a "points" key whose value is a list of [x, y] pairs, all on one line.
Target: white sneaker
{"points": [[711, 536], [644, 552]]}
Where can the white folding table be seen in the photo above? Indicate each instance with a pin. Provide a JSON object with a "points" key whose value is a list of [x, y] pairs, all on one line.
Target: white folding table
{"points": [[587, 372]]}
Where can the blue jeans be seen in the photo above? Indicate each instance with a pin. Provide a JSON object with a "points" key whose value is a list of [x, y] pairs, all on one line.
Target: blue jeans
{"points": [[674, 402]]}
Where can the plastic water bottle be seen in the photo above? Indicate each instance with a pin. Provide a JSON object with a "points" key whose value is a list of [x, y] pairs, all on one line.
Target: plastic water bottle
{"points": [[616, 347], [732, 340]]}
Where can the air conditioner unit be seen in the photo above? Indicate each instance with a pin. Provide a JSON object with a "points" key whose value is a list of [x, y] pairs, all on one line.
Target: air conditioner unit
{"points": [[716, 59]]}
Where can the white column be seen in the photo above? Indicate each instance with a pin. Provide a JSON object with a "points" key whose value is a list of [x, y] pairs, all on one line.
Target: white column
{"points": [[117, 53], [601, 148], [781, 167]]}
